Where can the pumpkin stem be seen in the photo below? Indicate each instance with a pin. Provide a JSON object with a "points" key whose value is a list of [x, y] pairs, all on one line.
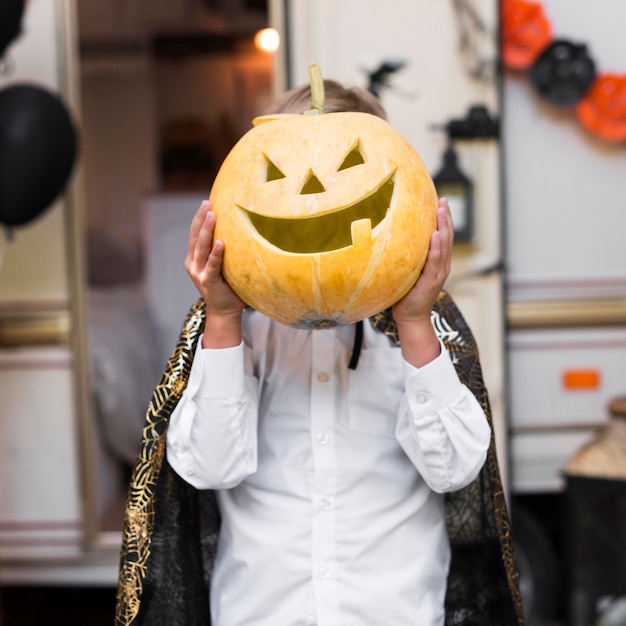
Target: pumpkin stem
{"points": [[317, 90]]}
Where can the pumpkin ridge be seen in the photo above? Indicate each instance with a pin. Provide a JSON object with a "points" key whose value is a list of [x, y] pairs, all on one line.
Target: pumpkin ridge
{"points": [[270, 284], [364, 280], [316, 282]]}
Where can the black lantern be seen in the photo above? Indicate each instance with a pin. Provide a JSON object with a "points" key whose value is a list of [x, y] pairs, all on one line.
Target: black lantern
{"points": [[454, 185]]}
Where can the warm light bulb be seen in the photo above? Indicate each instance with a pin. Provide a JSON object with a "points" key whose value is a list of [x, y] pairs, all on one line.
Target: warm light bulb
{"points": [[267, 40]]}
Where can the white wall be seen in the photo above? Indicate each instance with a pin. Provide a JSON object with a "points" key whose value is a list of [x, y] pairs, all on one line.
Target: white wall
{"points": [[347, 38]]}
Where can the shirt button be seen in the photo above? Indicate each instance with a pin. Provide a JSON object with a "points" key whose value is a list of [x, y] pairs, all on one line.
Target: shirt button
{"points": [[323, 438], [324, 572], [325, 504], [323, 377], [422, 398]]}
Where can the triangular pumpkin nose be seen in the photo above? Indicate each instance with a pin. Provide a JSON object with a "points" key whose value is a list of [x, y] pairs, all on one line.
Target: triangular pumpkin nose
{"points": [[312, 184]]}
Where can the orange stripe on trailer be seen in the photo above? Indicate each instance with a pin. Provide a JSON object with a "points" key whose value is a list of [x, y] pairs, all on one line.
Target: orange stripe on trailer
{"points": [[587, 379]]}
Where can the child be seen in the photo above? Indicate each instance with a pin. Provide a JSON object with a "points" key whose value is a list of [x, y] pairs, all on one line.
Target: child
{"points": [[327, 461]]}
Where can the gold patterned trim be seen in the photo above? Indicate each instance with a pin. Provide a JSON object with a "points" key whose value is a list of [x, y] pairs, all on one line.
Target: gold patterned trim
{"points": [[140, 506]]}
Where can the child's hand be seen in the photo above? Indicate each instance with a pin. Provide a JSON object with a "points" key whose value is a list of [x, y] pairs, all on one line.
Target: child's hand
{"points": [[204, 264], [418, 302], [418, 340]]}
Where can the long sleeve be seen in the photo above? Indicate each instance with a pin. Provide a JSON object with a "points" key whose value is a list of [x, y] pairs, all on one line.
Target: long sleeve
{"points": [[212, 435], [441, 426]]}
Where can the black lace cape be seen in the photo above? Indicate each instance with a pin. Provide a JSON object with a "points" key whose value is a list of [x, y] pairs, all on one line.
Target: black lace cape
{"points": [[171, 529]]}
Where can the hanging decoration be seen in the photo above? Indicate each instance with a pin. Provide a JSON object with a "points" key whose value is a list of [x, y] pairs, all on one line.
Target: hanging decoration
{"points": [[562, 71], [477, 42], [526, 31], [603, 109], [38, 146]]}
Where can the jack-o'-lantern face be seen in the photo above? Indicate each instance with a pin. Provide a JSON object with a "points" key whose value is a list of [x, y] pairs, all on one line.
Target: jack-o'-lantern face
{"points": [[326, 219]]}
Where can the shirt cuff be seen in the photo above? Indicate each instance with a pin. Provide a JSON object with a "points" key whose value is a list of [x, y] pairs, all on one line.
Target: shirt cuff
{"points": [[222, 372], [432, 386]]}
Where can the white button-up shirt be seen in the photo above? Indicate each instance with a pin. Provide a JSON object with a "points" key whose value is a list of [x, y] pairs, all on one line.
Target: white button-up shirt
{"points": [[329, 480]]}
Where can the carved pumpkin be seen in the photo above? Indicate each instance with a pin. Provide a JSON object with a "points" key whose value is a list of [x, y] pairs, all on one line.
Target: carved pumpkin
{"points": [[326, 219]]}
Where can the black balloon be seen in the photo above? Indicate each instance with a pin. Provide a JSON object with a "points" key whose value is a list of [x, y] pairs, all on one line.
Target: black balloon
{"points": [[10, 22], [563, 72], [37, 151]]}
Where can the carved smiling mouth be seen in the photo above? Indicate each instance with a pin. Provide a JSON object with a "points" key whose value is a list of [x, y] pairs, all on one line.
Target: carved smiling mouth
{"points": [[352, 225]]}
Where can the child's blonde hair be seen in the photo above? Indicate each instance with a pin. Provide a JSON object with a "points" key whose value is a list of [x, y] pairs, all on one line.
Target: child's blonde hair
{"points": [[337, 99]]}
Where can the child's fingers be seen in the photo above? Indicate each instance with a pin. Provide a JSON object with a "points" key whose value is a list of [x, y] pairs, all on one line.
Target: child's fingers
{"points": [[444, 218], [204, 241], [214, 262], [196, 225], [433, 261], [446, 230]]}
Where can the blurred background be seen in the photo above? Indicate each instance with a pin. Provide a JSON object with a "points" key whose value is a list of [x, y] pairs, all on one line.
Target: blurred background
{"points": [[114, 118]]}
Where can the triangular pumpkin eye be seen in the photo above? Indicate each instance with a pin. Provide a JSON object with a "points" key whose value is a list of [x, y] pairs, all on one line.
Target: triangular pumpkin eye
{"points": [[271, 171], [354, 157]]}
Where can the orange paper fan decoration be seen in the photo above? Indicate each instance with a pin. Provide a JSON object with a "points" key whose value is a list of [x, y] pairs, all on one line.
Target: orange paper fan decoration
{"points": [[602, 110], [526, 31]]}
